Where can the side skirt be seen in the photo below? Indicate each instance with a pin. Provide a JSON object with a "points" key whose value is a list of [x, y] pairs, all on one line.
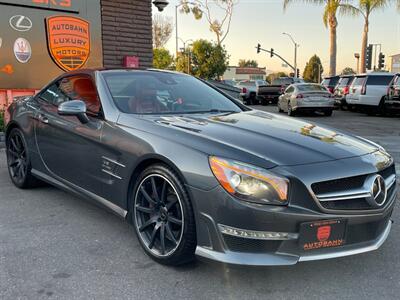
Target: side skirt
{"points": [[78, 191]]}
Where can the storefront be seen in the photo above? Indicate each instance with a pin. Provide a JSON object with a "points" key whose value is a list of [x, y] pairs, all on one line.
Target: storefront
{"points": [[40, 39]]}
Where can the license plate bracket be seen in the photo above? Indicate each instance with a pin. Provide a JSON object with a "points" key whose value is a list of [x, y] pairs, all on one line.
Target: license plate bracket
{"points": [[322, 234]]}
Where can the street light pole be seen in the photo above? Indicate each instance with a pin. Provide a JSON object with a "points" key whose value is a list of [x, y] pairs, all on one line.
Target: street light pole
{"points": [[176, 29], [357, 56], [295, 52]]}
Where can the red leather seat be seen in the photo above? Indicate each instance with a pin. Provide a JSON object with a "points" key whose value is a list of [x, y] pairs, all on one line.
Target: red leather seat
{"points": [[86, 91]]}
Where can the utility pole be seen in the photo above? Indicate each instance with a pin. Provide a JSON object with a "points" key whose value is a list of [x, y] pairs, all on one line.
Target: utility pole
{"points": [[295, 52]]}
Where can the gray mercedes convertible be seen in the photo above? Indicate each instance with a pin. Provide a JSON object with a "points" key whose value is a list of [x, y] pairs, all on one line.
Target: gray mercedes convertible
{"points": [[198, 173]]}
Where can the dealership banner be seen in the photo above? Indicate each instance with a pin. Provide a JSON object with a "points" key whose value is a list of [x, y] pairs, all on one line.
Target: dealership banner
{"points": [[41, 39]]}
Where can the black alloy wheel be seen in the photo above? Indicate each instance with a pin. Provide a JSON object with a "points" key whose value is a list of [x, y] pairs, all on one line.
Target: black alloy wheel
{"points": [[18, 162], [163, 218]]}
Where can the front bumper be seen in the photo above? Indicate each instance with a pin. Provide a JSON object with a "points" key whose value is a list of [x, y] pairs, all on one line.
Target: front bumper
{"points": [[282, 258], [365, 231]]}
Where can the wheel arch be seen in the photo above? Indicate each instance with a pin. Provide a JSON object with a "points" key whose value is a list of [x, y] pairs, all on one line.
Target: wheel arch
{"points": [[9, 128], [141, 165]]}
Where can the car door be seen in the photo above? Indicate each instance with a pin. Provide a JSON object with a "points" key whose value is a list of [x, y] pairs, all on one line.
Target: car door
{"points": [[288, 94], [70, 149], [376, 88]]}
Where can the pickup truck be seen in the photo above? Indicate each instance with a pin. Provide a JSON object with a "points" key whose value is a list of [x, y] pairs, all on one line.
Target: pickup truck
{"points": [[249, 90], [271, 93]]}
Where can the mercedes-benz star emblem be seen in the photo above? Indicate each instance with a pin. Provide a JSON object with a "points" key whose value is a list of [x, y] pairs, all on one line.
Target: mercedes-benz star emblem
{"points": [[20, 23], [378, 191]]}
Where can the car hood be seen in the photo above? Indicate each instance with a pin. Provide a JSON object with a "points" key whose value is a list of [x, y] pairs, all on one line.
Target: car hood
{"points": [[280, 140]]}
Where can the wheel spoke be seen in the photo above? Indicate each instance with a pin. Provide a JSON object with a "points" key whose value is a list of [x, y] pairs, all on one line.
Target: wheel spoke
{"points": [[164, 191], [153, 237], [147, 196], [175, 220], [170, 234], [172, 203], [162, 238], [146, 210], [148, 223], [154, 187], [14, 144], [13, 153]]}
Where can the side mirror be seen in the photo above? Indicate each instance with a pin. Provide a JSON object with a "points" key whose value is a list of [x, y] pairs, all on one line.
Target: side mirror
{"points": [[74, 108]]}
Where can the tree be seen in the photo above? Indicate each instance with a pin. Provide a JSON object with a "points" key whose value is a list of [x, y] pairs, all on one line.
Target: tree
{"points": [[348, 71], [330, 21], [162, 59], [200, 8], [365, 8], [271, 77], [248, 63], [207, 60], [313, 70], [162, 30]]}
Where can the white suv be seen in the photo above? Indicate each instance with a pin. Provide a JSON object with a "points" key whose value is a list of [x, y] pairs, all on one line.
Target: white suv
{"points": [[368, 91]]}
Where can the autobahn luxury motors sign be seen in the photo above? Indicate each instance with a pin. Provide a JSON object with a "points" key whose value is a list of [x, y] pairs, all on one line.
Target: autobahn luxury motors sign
{"points": [[68, 41]]}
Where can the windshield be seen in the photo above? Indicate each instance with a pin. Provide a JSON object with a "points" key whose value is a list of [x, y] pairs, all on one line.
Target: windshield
{"points": [[247, 83], [311, 88], [144, 92], [282, 81]]}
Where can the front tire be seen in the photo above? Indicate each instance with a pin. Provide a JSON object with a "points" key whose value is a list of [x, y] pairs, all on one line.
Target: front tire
{"points": [[291, 112], [328, 113], [18, 161], [163, 216]]}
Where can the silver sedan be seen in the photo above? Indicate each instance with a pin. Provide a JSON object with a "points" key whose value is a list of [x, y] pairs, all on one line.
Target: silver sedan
{"points": [[306, 97]]}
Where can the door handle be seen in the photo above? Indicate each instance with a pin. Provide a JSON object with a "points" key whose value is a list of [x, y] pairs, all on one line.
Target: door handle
{"points": [[43, 119]]}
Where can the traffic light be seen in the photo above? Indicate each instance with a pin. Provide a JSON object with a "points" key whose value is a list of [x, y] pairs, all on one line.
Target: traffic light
{"points": [[368, 57], [298, 73], [381, 61], [258, 48], [272, 52]]}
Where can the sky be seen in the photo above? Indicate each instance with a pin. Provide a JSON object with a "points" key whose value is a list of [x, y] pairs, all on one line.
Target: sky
{"points": [[264, 21]]}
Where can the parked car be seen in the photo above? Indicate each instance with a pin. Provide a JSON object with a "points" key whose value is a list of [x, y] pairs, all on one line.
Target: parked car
{"points": [[306, 97], [197, 172], [249, 89], [368, 91], [270, 93], [330, 83], [342, 89], [392, 101]]}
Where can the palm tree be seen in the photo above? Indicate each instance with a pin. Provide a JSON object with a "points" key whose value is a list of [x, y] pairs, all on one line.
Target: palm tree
{"points": [[365, 8], [330, 20]]}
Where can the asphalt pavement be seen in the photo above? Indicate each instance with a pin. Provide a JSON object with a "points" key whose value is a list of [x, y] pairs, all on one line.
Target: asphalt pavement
{"points": [[57, 246]]}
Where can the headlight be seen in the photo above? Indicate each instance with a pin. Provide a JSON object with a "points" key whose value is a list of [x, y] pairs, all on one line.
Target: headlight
{"points": [[250, 183]]}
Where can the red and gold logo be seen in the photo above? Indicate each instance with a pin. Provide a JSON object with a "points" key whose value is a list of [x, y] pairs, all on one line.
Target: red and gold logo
{"points": [[323, 233], [68, 40]]}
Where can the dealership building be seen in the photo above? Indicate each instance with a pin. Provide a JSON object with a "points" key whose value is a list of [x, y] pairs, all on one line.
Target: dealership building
{"points": [[41, 39]]}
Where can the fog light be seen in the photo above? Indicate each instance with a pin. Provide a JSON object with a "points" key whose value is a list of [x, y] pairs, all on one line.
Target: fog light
{"points": [[257, 235]]}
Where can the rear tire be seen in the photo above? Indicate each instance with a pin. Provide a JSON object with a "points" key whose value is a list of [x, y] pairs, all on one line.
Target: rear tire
{"points": [[163, 217], [290, 111], [328, 113], [382, 108], [19, 162]]}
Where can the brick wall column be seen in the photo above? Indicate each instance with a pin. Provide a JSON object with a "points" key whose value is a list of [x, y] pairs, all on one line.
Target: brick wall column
{"points": [[126, 30]]}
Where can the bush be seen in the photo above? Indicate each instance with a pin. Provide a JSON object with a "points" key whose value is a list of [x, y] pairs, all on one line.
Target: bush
{"points": [[1, 120]]}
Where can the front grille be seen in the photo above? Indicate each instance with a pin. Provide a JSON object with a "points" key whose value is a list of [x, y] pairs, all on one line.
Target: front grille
{"points": [[350, 193], [338, 185], [238, 244]]}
